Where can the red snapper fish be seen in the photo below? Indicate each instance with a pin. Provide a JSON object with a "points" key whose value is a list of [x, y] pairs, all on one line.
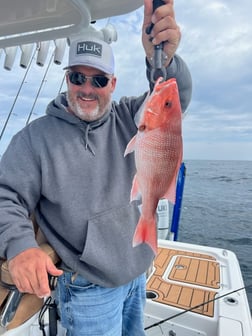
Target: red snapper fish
{"points": [[158, 154]]}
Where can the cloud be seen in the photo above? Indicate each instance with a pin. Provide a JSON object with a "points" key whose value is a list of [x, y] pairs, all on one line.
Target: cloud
{"points": [[217, 46], [129, 55]]}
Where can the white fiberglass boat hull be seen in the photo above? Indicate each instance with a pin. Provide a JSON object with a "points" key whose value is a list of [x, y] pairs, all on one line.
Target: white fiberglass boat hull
{"points": [[183, 278], [29, 21]]}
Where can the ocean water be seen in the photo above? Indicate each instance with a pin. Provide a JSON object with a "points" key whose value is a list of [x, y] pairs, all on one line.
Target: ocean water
{"points": [[217, 209]]}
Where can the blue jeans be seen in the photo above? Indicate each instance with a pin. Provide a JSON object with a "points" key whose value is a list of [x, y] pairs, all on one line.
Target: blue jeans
{"points": [[88, 309]]}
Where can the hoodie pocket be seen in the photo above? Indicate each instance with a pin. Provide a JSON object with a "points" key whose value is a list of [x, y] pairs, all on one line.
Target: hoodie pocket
{"points": [[108, 249]]}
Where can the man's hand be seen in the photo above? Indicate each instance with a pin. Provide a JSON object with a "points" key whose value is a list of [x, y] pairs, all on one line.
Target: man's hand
{"points": [[165, 29], [29, 271]]}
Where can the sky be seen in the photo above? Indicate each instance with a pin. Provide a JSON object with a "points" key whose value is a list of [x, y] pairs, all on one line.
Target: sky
{"points": [[216, 44]]}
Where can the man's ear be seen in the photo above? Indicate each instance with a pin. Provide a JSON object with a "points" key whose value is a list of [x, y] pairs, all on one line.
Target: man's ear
{"points": [[113, 84]]}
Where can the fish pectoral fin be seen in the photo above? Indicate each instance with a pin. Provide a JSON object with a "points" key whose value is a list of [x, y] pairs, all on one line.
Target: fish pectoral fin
{"points": [[135, 194], [171, 192], [146, 232], [131, 146]]}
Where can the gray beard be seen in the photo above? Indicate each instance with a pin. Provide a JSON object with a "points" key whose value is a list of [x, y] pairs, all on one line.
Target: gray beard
{"points": [[90, 116]]}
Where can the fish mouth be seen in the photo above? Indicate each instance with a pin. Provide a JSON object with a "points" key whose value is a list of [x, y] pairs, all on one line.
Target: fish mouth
{"points": [[151, 111]]}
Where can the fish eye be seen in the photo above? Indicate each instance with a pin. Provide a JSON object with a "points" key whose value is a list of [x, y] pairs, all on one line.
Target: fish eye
{"points": [[168, 103], [141, 128]]}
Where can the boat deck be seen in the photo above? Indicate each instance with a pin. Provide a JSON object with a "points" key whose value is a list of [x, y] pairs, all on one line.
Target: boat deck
{"points": [[185, 280]]}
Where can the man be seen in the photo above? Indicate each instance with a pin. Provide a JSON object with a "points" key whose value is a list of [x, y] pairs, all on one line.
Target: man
{"points": [[69, 170]]}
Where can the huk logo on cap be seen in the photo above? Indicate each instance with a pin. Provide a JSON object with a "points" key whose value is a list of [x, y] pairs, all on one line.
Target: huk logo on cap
{"points": [[89, 47]]}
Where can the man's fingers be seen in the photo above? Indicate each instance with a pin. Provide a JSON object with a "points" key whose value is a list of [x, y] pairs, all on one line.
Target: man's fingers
{"points": [[23, 286], [41, 285], [32, 282], [29, 271], [169, 35], [52, 269], [162, 19], [163, 13], [148, 11]]}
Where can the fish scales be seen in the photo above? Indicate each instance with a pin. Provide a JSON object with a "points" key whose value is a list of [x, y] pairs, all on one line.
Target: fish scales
{"points": [[158, 155]]}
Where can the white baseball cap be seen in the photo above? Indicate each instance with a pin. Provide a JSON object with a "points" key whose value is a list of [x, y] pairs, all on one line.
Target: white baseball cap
{"points": [[91, 52]]}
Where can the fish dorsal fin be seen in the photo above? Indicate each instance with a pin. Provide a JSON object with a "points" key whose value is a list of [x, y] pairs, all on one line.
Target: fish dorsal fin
{"points": [[139, 115]]}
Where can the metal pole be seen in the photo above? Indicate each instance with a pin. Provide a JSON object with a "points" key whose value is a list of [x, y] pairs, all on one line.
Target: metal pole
{"points": [[177, 206]]}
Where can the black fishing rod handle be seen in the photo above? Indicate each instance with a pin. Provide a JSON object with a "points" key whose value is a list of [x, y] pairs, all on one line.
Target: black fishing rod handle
{"points": [[157, 3], [158, 69]]}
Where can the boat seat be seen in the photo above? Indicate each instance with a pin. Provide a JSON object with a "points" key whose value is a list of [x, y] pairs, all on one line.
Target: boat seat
{"points": [[5, 274], [30, 304]]}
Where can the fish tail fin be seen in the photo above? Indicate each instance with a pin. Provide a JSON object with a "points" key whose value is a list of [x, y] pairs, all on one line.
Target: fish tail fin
{"points": [[146, 232]]}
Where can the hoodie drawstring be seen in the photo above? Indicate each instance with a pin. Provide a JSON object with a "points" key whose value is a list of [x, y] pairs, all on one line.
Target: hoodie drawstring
{"points": [[85, 129]]}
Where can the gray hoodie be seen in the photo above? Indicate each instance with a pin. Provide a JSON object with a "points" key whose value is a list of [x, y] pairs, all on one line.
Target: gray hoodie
{"points": [[73, 175]]}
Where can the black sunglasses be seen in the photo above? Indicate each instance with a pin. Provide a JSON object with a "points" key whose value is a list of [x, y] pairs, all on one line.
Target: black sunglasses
{"points": [[78, 78]]}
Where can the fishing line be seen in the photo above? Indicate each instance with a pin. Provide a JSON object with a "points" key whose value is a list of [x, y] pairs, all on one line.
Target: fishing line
{"points": [[195, 307], [62, 83], [39, 90], [17, 95]]}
